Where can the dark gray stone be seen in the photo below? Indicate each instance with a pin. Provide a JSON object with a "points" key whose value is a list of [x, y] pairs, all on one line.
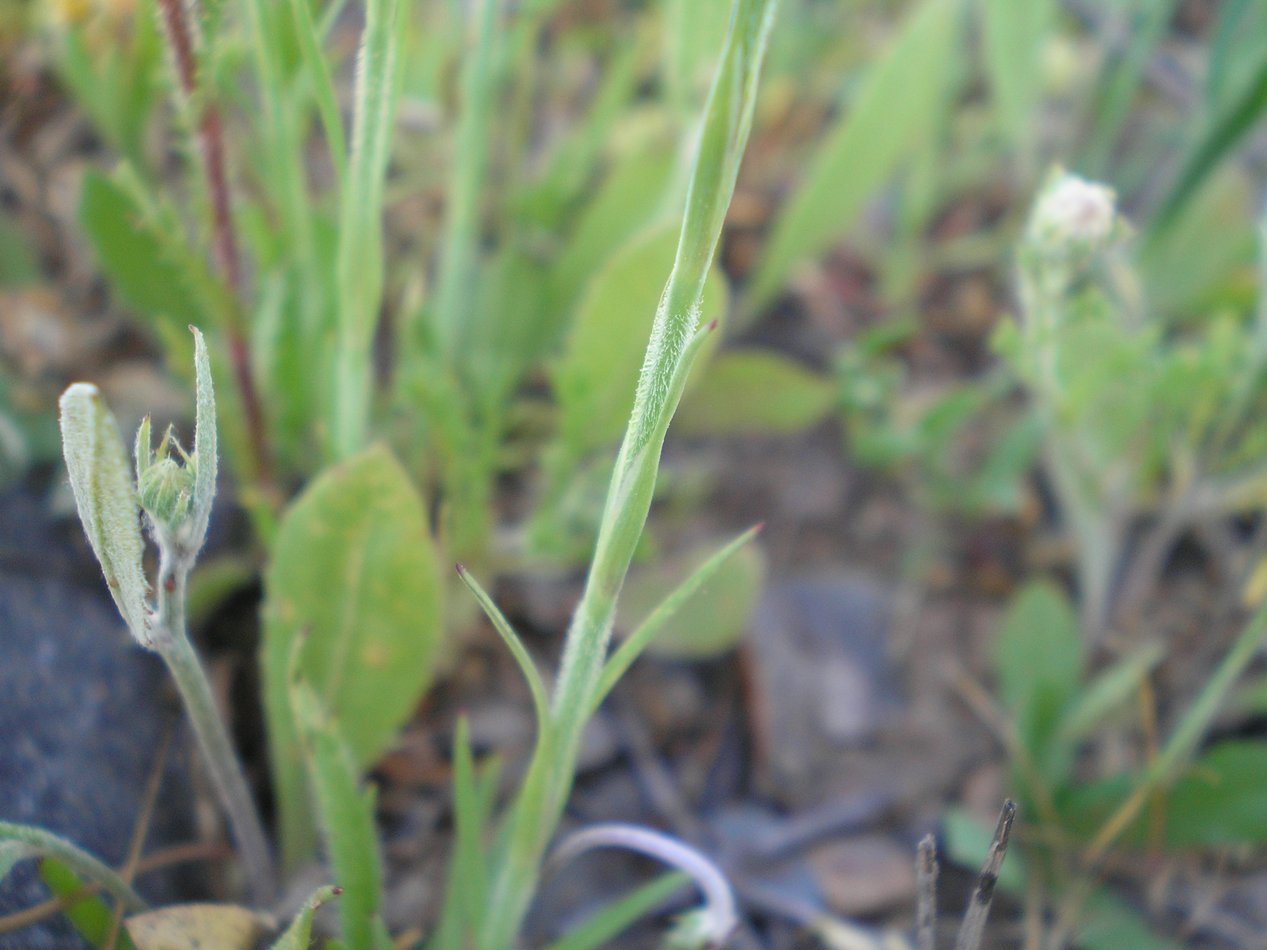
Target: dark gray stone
{"points": [[83, 712]]}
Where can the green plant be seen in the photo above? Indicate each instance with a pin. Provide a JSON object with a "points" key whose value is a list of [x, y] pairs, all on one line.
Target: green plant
{"points": [[361, 534], [1139, 421]]}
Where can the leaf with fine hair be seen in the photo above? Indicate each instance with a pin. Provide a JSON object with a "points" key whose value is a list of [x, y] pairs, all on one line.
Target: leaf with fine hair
{"points": [[106, 498], [513, 643], [298, 935]]}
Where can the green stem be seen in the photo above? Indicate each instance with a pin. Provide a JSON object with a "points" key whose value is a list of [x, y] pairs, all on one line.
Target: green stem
{"points": [[674, 343], [37, 841], [171, 640]]}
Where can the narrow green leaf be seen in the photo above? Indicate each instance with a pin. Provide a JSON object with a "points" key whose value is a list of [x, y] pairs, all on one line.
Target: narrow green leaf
{"points": [[298, 935], [105, 495], [359, 266], [755, 391], [513, 643], [1224, 131], [713, 618], [596, 379], [649, 629], [353, 572], [885, 125], [1111, 689], [603, 926], [318, 69], [347, 819]]}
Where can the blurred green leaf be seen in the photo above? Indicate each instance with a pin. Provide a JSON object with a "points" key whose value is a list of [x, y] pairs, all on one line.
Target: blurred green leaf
{"points": [[1228, 124], [754, 391], [18, 265], [354, 576], [1014, 36], [1206, 252], [604, 925], [966, 840], [712, 618], [1039, 659], [887, 122], [346, 814], [596, 377], [1221, 799], [632, 197], [145, 265], [90, 914], [1109, 923], [1103, 696]]}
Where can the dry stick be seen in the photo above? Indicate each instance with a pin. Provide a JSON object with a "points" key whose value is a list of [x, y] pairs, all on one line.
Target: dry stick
{"points": [[926, 894], [210, 128], [979, 904], [148, 798], [177, 854]]}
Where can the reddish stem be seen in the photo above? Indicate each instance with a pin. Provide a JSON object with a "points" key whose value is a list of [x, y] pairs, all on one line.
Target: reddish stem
{"points": [[180, 39]]}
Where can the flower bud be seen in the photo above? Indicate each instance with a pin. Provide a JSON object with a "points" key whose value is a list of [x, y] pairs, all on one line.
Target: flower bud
{"points": [[1073, 217]]}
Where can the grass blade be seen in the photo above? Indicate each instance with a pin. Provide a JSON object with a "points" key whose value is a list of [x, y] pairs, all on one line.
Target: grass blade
{"points": [[864, 150], [620, 661], [513, 643], [608, 923], [359, 267]]}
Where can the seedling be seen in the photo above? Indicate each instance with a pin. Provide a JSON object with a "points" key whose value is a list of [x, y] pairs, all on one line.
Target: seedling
{"points": [[176, 496]]}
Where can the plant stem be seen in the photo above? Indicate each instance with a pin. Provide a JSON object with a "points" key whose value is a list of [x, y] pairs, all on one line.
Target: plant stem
{"points": [[41, 842], [210, 135], [171, 640], [674, 342]]}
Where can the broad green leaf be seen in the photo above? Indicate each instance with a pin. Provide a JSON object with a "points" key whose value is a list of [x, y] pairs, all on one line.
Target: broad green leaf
{"points": [[754, 391], [597, 376], [145, 266], [885, 124], [298, 935], [346, 814], [1222, 798], [354, 576], [223, 926], [1014, 34], [1039, 659], [713, 618], [89, 914]]}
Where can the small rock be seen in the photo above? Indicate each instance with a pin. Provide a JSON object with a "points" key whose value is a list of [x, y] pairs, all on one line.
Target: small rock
{"points": [[864, 875], [84, 710], [822, 673]]}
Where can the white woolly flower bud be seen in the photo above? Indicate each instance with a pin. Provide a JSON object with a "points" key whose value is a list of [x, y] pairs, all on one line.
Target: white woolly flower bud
{"points": [[1073, 215]]}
